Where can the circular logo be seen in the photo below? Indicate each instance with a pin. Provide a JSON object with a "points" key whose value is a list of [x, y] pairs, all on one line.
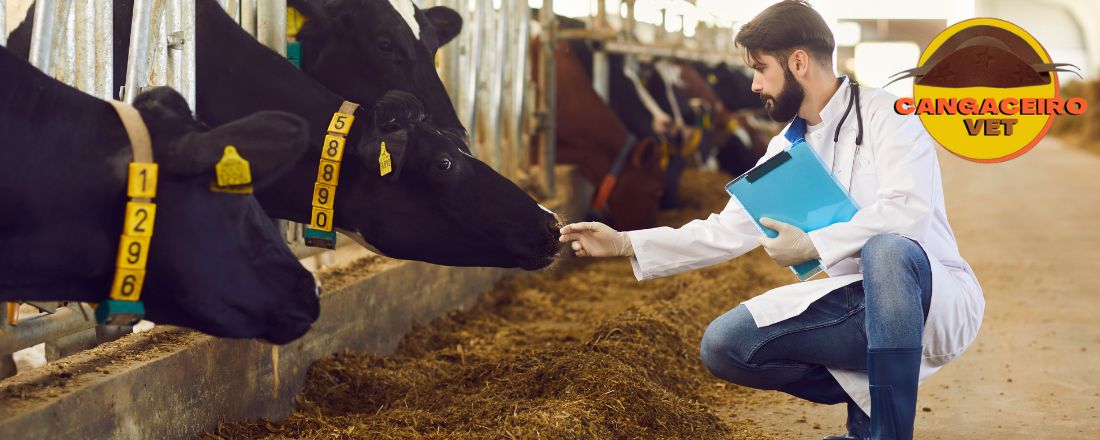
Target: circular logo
{"points": [[986, 90]]}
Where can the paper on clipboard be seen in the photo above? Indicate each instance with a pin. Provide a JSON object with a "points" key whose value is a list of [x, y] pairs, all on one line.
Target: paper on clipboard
{"points": [[793, 187]]}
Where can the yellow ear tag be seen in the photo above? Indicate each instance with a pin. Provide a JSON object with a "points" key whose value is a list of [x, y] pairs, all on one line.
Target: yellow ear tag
{"points": [[712, 79], [732, 125], [384, 165], [233, 173]]}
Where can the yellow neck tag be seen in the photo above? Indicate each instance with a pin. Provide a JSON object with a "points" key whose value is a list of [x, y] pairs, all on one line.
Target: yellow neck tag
{"points": [[328, 169], [384, 165], [233, 173], [137, 232]]}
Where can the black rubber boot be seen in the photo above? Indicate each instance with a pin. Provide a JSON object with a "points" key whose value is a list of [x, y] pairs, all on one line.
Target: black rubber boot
{"points": [[893, 374], [859, 425]]}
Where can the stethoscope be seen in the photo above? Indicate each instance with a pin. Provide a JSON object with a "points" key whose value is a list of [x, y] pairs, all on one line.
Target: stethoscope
{"points": [[797, 130]]}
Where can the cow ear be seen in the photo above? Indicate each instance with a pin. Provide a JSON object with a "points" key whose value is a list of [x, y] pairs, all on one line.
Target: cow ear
{"points": [[271, 142], [396, 148], [446, 21]]}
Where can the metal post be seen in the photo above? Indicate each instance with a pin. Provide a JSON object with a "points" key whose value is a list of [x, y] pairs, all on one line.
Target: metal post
{"points": [[179, 26], [104, 50], [496, 86], [31, 332], [600, 66], [233, 8], [629, 21], [42, 35], [547, 98], [3, 28], [451, 58], [85, 47], [473, 68], [63, 64], [138, 55], [248, 16], [271, 25], [522, 17]]}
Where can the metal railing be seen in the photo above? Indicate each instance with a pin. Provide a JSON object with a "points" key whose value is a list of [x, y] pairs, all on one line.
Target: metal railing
{"points": [[486, 70], [73, 42]]}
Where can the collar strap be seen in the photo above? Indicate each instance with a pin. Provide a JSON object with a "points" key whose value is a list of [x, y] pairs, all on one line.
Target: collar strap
{"points": [[124, 305], [320, 233], [599, 204]]}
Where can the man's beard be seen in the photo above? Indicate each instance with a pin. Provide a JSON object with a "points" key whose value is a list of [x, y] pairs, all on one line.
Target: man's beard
{"points": [[782, 108]]}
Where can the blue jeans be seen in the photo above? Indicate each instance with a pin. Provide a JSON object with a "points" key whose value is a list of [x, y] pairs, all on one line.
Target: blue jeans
{"points": [[887, 309]]}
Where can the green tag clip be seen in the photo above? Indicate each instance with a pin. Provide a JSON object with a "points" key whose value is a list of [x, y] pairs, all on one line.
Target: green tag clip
{"points": [[318, 238]]}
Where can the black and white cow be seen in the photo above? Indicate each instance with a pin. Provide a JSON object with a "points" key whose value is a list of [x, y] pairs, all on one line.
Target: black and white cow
{"points": [[216, 262], [447, 207], [362, 48]]}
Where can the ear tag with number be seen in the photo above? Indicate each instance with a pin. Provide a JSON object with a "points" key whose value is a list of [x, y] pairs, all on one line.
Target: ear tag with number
{"points": [[233, 173], [384, 165]]}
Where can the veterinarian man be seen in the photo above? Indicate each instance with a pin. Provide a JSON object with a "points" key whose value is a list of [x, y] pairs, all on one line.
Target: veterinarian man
{"points": [[899, 302]]}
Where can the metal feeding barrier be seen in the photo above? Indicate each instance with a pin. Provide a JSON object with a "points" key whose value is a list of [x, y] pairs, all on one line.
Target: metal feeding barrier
{"points": [[73, 42], [487, 70]]}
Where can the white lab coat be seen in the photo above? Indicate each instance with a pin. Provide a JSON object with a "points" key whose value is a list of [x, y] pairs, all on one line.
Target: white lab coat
{"points": [[897, 187]]}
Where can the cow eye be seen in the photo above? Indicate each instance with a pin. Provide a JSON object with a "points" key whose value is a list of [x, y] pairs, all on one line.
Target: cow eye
{"points": [[444, 164]]}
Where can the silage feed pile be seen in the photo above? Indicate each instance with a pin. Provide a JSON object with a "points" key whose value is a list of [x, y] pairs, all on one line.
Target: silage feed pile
{"points": [[578, 351]]}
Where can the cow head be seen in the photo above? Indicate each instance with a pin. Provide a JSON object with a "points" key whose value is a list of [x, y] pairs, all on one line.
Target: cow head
{"points": [[439, 204], [362, 48], [217, 263]]}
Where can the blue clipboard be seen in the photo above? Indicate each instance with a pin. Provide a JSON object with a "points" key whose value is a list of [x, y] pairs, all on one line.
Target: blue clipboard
{"points": [[793, 187]]}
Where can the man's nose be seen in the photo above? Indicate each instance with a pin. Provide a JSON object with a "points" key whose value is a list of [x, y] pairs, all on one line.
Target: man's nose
{"points": [[757, 87]]}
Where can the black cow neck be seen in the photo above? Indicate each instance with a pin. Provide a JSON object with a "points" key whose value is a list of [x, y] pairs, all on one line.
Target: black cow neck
{"points": [[63, 160], [238, 76]]}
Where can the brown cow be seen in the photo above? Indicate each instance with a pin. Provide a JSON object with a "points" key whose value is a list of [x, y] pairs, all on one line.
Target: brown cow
{"points": [[591, 136]]}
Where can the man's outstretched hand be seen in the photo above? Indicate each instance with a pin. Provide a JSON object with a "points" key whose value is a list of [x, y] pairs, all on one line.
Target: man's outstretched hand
{"points": [[595, 239]]}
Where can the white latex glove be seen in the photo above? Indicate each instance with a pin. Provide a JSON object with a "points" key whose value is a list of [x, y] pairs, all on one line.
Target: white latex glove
{"points": [[790, 247], [595, 239]]}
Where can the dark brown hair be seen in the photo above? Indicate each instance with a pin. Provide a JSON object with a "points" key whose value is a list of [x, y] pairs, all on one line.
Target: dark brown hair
{"points": [[785, 27]]}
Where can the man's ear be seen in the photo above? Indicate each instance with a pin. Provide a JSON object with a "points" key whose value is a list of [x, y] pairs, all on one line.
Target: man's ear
{"points": [[271, 142], [396, 144], [446, 21], [798, 62]]}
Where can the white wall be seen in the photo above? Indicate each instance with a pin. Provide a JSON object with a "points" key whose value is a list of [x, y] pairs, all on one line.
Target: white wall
{"points": [[1068, 29]]}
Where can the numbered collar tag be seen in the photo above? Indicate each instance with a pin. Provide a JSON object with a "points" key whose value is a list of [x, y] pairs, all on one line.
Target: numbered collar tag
{"points": [[124, 305], [319, 233], [384, 164], [233, 174]]}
